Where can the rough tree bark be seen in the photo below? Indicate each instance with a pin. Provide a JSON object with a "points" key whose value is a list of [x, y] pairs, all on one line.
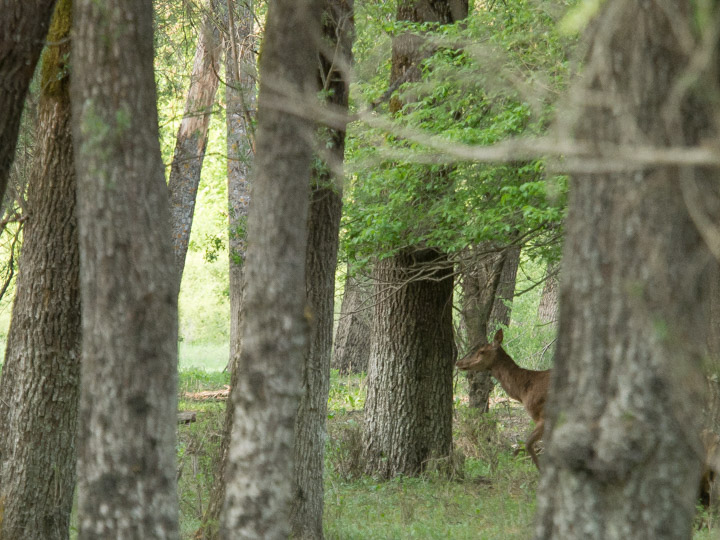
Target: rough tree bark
{"points": [[192, 135], [623, 452], [240, 104], [320, 264], [275, 330], [128, 405], [23, 27], [408, 409], [41, 374], [351, 348]]}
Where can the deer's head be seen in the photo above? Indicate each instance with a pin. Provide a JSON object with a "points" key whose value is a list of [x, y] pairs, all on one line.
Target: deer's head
{"points": [[481, 357]]}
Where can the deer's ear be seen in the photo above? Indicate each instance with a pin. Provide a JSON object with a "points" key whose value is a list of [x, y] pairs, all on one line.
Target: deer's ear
{"points": [[497, 340]]}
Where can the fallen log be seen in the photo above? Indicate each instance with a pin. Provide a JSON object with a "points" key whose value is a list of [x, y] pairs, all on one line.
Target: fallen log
{"points": [[186, 417], [208, 395]]}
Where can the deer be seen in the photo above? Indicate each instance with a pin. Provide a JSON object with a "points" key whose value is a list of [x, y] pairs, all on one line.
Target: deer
{"points": [[711, 466], [527, 386]]}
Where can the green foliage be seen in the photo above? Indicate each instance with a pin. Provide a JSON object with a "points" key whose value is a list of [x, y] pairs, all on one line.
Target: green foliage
{"points": [[204, 293], [198, 445], [529, 342], [347, 393], [492, 77], [580, 16]]}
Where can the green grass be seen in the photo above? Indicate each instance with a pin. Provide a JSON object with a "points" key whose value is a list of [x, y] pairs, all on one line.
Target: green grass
{"points": [[207, 356], [477, 506], [490, 496], [198, 445]]}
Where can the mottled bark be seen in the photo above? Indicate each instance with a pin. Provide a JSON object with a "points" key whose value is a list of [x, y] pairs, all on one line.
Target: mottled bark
{"points": [[192, 135], [41, 374], [408, 410], [352, 336], [306, 516], [23, 27], [622, 446], [240, 104], [128, 405], [275, 330]]}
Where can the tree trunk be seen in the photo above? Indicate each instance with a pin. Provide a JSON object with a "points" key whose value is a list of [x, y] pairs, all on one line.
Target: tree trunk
{"points": [[712, 408], [23, 27], [321, 261], [548, 307], [480, 282], [323, 226], [266, 397], [192, 136], [40, 377], [488, 285], [623, 452], [352, 337], [408, 409], [240, 103], [128, 406], [500, 315]]}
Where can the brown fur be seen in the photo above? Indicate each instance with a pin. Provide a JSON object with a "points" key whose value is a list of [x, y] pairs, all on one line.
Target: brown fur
{"points": [[527, 386], [711, 465]]}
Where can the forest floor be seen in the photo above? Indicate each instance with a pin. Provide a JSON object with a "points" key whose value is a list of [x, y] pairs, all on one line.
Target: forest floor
{"points": [[488, 493]]}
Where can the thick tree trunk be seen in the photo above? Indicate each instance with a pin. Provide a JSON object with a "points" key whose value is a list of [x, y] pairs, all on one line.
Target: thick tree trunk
{"points": [[41, 374], [408, 409], [352, 336], [192, 136], [268, 390], [623, 452], [126, 461], [240, 104], [23, 27], [320, 264]]}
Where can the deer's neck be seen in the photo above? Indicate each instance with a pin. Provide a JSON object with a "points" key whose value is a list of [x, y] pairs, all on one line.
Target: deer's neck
{"points": [[511, 377]]}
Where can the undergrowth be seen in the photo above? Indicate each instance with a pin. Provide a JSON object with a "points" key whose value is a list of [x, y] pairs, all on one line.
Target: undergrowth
{"points": [[489, 495]]}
